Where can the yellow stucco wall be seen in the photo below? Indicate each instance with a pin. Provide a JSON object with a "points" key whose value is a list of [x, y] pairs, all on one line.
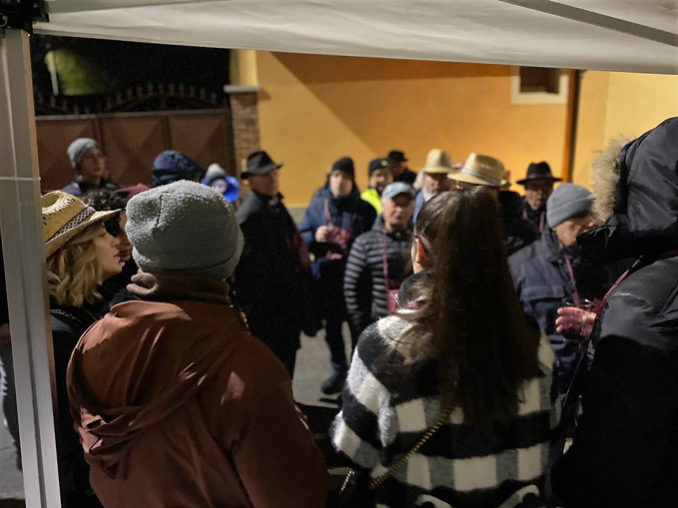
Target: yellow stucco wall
{"points": [[243, 67], [315, 109], [615, 104]]}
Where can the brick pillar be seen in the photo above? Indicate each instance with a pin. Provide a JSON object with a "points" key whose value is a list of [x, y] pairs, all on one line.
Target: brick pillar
{"points": [[245, 121]]}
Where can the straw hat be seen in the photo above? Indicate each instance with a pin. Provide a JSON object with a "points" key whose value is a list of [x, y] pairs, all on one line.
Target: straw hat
{"points": [[481, 170], [438, 161], [64, 216]]}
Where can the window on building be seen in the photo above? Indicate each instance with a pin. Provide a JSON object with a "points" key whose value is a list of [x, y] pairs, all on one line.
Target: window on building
{"points": [[539, 85], [539, 80]]}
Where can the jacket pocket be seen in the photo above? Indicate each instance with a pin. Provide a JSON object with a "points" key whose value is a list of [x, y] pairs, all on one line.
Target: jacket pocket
{"points": [[535, 293], [544, 302]]}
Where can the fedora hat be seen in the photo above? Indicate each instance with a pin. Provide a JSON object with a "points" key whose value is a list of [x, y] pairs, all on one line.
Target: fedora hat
{"points": [[438, 161], [397, 156], [481, 170], [538, 171], [259, 163], [64, 216]]}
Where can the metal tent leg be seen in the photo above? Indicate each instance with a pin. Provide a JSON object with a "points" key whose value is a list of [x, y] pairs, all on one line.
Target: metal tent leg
{"points": [[21, 226]]}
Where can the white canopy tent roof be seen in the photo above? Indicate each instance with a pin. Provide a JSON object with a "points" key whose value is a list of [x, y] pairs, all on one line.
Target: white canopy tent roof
{"points": [[620, 35]]}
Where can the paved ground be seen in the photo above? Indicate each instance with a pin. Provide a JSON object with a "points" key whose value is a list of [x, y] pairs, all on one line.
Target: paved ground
{"points": [[312, 368], [11, 482]]}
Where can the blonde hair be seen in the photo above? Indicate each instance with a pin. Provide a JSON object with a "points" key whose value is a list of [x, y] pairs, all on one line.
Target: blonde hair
{"points": [[73, 272]]}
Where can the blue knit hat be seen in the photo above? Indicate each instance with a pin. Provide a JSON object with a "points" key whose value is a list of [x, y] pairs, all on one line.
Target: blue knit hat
{"points": [[172, 166]]}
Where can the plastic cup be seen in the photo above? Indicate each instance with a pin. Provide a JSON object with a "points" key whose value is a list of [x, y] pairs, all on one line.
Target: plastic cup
{"points": [[576, 333]]}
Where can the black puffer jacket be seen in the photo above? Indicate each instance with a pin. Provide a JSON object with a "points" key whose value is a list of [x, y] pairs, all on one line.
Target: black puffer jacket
{"points": [[625, 449], [364, 285]]}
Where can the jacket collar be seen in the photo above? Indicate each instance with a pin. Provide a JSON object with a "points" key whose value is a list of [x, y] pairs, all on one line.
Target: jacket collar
{"points": [[269, 200], [552, 247], [86, 314], [168, 286], [379, 227]]}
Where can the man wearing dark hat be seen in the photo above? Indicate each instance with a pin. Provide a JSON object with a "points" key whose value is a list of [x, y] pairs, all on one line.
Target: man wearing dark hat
{"points": [[401, 173], [89, 162], [273, 264], [538, 185], [380, 260], [335, 217], [171, 166], [379, 172]]}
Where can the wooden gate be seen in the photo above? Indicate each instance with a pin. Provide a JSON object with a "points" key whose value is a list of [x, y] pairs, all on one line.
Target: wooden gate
{"points": [[132, 140]]}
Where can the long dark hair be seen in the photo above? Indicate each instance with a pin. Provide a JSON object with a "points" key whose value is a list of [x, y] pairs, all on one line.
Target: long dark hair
{"points": [[468, 313]]}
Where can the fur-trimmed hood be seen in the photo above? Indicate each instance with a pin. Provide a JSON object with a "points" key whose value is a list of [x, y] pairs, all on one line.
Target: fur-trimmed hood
{"points": [[637, 192]]}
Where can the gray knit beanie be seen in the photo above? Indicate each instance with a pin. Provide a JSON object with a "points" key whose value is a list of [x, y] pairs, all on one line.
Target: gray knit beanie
{"points": [[214, 171], [78, 148], [567, 201], [184, 227]]}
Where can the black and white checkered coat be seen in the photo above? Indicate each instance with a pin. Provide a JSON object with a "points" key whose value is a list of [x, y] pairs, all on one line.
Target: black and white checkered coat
{"points": [[389, 403]]}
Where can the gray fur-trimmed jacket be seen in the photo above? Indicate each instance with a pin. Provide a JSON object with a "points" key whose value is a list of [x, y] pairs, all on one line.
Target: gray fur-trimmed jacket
{"points": [[389, 403]]}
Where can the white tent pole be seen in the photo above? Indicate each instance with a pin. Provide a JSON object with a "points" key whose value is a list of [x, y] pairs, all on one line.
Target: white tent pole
{"points": [[21, 226]]}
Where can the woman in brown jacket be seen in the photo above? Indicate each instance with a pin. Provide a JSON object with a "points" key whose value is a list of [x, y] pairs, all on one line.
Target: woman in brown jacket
{"points": [[175, 402]]}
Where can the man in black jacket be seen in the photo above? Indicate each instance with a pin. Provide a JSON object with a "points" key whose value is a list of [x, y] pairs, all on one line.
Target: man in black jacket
{"points": [[269, 277], [335, 217], [401, 173], [538, 185], [625, 448]]}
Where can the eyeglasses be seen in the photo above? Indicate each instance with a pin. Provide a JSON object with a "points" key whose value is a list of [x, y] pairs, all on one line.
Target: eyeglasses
{"points": [[112, 226]]}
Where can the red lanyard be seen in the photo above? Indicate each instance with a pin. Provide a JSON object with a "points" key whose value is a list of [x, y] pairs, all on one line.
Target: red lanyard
{"points": [[541, 222], [328, 215], [584, 344], [541, 219], [384, 258], [568, 265], [640, 262]]}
